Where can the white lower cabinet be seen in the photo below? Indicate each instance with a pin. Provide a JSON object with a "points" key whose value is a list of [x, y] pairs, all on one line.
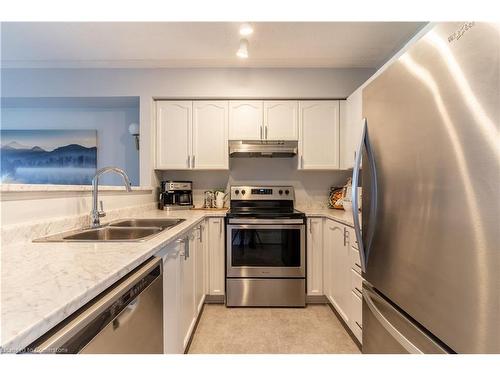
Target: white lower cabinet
{"points": [[315, 256], [199, 295], [336, 267], [183, 289], [356, 305], [342, 280], [216, 256], [172, 299], [188, 311]]}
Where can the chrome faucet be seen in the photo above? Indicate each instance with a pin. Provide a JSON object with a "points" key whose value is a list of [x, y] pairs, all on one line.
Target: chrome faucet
{"points": [[96, 214]]}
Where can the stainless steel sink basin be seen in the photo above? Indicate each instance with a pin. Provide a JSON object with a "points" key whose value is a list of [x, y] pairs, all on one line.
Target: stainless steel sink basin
{"points": [[126, 230], [113, 234], [160, 223]]}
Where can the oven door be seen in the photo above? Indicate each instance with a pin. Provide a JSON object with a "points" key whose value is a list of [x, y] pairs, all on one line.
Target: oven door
{"points": [[265, 248]]}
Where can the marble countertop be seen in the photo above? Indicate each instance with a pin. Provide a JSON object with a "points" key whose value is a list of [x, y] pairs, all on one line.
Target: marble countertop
{"points": [[344, 217], [43, 283]]}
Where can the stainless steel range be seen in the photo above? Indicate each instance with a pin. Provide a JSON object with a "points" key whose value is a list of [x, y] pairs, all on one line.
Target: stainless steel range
{"points": [[265, 248]]}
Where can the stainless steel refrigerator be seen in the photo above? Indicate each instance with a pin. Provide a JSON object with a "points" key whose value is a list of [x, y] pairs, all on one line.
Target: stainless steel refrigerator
{"points": [[430, 172]]}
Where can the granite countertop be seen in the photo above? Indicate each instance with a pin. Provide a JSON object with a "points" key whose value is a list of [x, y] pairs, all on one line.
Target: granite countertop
{"points": [[43, 283]]}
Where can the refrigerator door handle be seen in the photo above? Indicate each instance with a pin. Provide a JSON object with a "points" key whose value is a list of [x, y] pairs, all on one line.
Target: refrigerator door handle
{"points": [[354, 199], [364, 247], [398, 336]]}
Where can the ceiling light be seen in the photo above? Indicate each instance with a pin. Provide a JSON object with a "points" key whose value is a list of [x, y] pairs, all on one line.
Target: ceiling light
{"points": [[246, 29], [242, 52]]}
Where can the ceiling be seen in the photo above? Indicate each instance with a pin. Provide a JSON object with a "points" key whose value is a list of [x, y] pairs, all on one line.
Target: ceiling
{"points": [[201, 44]]}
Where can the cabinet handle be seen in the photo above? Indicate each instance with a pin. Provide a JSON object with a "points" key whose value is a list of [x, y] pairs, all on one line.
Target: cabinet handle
{"points": [[261, 137], [310, 226], [359, 325], [200, 228], [301, 162], [265, 130], [192, 161], [181, 253], [185, 241]]}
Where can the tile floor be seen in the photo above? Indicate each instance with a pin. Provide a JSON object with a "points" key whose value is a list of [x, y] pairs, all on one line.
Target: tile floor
{"points": [[314, 329]]}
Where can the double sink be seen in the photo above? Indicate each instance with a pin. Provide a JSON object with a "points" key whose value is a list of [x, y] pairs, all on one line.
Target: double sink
{"points": [[125, 230]]}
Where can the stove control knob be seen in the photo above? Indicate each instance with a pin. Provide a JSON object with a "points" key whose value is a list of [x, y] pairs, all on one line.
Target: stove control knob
{"points": [[281, 192], [243, 192], [236, 192], [287, 192]]}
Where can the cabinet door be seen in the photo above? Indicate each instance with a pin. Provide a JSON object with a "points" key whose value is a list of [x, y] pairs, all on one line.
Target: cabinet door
{"points": [[328, 259], [319, 134], [199, 270], [216, 256], [315, 257], [172, 301], [281, 120], [210, 127], [350, 128], [337, 262], [245, 120], [187, 287], [206, 258], [173, 134]]}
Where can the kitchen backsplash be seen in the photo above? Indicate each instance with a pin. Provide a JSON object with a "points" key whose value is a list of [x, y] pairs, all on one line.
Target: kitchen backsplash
{"points": [[311, 187]]}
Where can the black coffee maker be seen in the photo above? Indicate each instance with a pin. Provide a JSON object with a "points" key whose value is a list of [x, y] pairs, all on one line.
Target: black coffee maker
{"points": [[176, 195]]}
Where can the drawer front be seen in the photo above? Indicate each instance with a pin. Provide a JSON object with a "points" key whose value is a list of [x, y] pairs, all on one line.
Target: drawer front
{"points": [[353, 242], [357, 321], [355, 259], [356, 283]]}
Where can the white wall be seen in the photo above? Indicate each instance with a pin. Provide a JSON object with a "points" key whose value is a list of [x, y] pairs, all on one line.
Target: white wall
{"points": [[179, 83], [148, 84], [19, 208], [355, 99], [311, 187], [115, 146]]}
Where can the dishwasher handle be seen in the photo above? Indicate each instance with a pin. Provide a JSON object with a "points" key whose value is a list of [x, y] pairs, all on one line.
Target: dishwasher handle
{"points": [[100, 311]]}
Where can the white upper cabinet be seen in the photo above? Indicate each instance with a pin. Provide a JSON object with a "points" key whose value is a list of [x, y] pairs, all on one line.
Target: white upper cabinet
{"points": [[281, 120], [172, 300], [210, 128], [173, 134], [246, 120], [319, 134], [191, 135], [351, 125]]}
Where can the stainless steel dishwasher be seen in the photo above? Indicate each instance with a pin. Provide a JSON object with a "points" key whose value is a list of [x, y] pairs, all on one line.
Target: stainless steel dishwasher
{"points": [[126, 318]]}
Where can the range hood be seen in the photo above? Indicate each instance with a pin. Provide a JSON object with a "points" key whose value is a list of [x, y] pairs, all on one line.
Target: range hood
{"points": [[262, 149]]}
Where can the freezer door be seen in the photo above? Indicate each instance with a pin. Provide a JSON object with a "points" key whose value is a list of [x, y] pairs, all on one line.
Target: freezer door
{"points": [[431, 216], [388, 331]]}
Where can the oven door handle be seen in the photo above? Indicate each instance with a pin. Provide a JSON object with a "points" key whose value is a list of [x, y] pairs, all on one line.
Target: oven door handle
{"points": [[266, 221]]}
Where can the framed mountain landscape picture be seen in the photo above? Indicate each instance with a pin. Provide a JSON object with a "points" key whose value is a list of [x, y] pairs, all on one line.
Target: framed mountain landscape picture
{"points": [[64, 157]]}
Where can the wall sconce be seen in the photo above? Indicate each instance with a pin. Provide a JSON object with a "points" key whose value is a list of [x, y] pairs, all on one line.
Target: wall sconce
{"points": [[133, 129]]}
